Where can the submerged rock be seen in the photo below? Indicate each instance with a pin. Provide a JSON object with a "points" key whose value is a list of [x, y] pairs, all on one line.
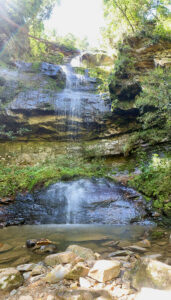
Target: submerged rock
{"points": [[85, 253], [41, 246]]}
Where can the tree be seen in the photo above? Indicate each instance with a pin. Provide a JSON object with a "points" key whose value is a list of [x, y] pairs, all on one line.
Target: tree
{"points": [[130, 16]]}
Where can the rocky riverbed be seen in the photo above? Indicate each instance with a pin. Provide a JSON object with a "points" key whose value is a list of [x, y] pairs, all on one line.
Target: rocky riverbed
{"points": [[125, 272]]}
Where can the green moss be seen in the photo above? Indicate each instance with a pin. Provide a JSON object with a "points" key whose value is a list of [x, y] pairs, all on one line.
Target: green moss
{"points": [[52, 85], [16, 178]]}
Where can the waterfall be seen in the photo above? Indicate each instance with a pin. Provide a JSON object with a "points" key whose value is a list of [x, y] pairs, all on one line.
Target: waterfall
{"points": [[79, 104]]}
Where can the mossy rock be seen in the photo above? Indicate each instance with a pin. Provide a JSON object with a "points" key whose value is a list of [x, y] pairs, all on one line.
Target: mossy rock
{"points": [[10, 279]]}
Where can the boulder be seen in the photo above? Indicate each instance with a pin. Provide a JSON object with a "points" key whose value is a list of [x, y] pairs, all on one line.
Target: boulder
{"points": [[60, 258], [85, 253], [79, 270], [10, 279], [150, 273], [105, 270]]}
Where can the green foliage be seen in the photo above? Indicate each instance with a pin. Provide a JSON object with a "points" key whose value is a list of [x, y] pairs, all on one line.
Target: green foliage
{"points": [[125, 17], [102, 76], [154, 182], [16, 177], [124, 65], [154, 101]]}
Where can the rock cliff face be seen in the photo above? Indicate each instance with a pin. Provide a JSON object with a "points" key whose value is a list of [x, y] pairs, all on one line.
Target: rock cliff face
{"points": [[139, 56], [55, 103], [137, 59], [51, 102]]}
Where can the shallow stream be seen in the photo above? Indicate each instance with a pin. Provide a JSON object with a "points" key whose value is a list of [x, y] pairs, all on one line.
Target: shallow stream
{"points": [[14, 252]]}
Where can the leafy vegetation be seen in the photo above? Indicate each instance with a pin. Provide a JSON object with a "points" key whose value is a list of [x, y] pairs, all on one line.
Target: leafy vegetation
{"points": [[125, 17], [154, 182], [19, 177], [154, 102]]}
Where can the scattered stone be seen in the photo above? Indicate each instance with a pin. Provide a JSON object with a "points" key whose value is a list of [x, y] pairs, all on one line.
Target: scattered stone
{"points": [[97, 255], [136, 248], [38, 270], [58, 273], [60, 258], [74, 285], [85, 253], [79, 270], [105, 270], [84, 283], [150, 273], [26, 275], [10, 279], [36, 278], [26, 267], [121, 253]]}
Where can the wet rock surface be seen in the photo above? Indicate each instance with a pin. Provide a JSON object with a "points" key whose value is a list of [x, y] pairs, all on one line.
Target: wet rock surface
{"points": [[81, 201]]}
